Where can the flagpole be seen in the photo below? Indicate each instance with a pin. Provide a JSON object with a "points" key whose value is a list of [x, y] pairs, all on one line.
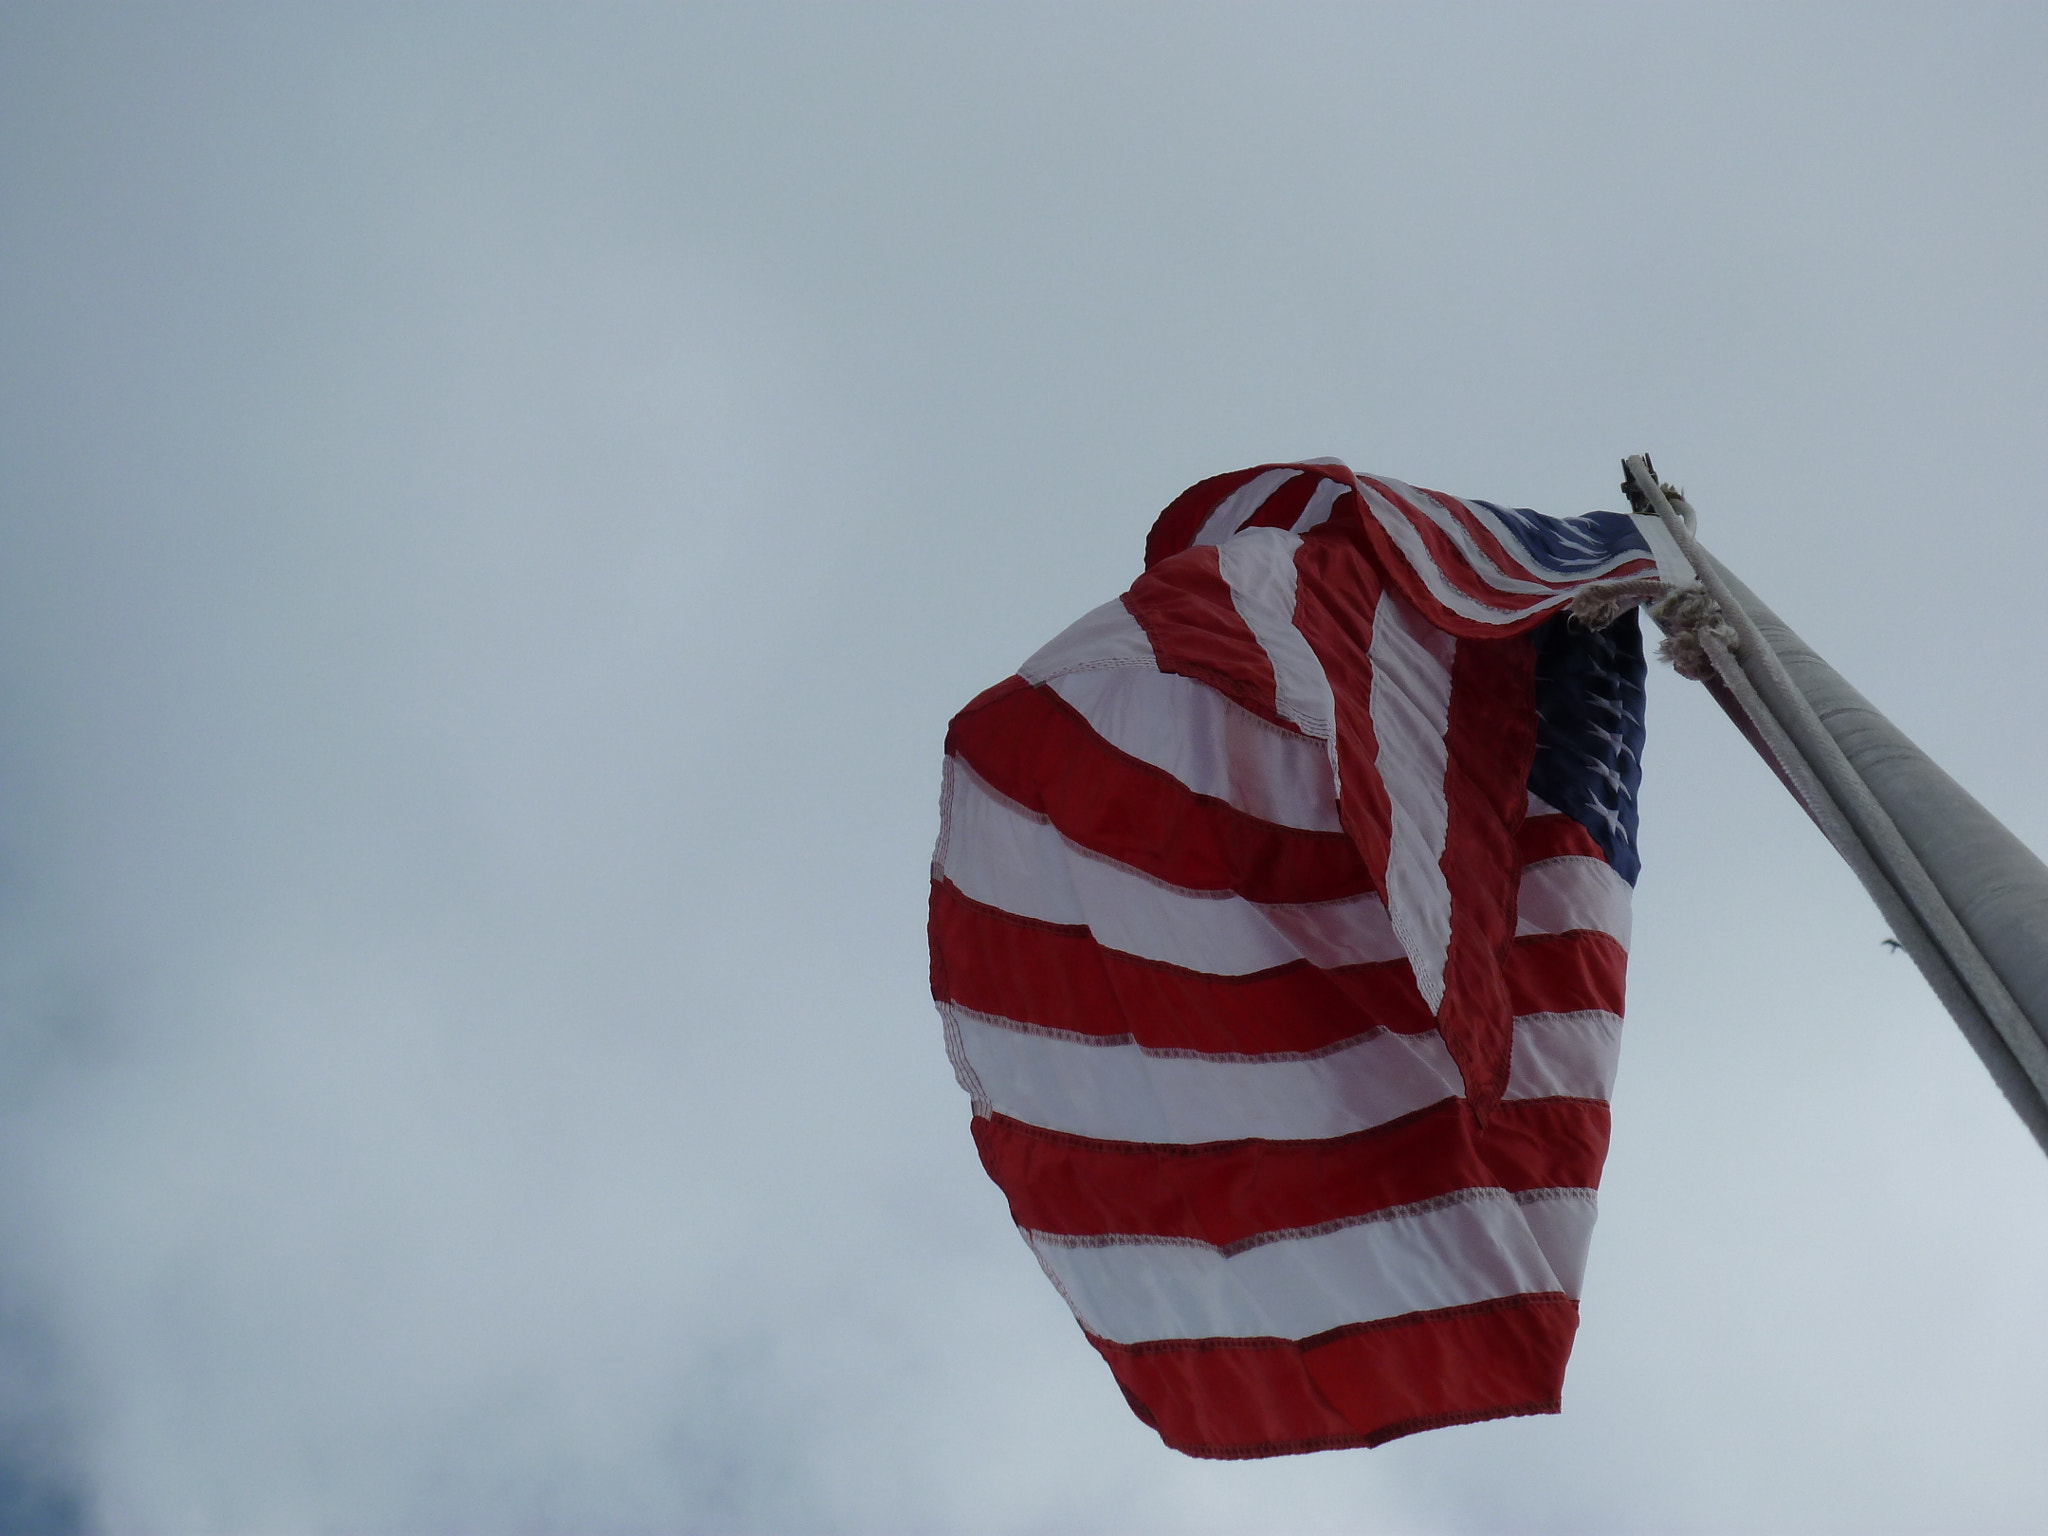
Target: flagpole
{"points": [[1807, 733]]}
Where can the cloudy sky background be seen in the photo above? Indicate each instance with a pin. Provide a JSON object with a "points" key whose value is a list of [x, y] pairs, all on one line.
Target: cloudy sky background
{"points": [[496, 507]]}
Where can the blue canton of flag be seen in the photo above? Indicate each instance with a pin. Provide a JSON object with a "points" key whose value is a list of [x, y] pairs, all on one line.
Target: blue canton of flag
{"points": [[1589, 732]]}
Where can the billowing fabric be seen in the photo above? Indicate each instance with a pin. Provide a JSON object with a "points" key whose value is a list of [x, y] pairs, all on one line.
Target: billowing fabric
{"points": [[1280, 915]]}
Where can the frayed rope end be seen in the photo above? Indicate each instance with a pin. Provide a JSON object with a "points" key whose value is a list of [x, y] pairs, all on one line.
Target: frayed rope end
{"points": [[1688, 616], [1599, 603], [1685, 614]]}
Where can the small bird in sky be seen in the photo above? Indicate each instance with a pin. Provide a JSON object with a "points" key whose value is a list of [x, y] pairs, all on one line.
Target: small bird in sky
{"points": [[1892, 944]]}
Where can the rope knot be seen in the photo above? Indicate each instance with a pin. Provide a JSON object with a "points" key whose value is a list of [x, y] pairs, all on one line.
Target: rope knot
{"points": [[1689, 616], [1599, 603], [1686, 615]]}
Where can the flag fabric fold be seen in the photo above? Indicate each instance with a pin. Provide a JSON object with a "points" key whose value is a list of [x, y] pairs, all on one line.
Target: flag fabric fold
{"points": [[1279, 927]]}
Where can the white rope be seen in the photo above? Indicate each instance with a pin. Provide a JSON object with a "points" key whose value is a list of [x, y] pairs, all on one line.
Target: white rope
{"points": [[1687, 615], [1599, 603]]}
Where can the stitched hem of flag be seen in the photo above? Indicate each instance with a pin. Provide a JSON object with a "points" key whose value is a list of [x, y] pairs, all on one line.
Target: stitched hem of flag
{"points": [[1368, 1426], [1479, 1194], [1174, 1052], [1378, 1437], [1209, 1149], [1512, 1303], [1217, 978]]}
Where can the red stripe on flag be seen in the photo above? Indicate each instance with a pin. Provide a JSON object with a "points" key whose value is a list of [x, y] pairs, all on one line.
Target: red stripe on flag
{"points": [[1288, 503], [1457, 570], [1034, 747], [1381, 552], [1337, 590], [1346, 510], [1490, 742], [1510, 563], [1060, 977], [1225, 1192], [1362, 1385], [1567, 973], [1555, 837], [1184, 606], [1175, 528], [990, 696]]}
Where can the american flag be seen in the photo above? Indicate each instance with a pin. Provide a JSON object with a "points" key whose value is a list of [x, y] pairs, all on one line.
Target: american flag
{"points": [[1280, 915]]}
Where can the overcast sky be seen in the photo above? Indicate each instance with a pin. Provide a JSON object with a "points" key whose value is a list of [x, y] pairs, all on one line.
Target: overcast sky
{"points": [[496, 507]]}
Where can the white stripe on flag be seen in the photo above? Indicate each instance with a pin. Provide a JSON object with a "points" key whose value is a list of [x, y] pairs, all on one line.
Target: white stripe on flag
{"points": [[1258, 566], [1409, 541], [1007, 857], [1212, 746], [1240, 504], [1012, 859], [1565, 1055], [1575, 891], [1112, 1089], [1483, 564], [1561, 1221], [1411, 711], [1317, 512], [1475, 1246], [1101, 638]]}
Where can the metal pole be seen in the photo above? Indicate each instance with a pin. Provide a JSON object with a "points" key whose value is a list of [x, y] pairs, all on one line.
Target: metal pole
{"points": [[1965, 898]]}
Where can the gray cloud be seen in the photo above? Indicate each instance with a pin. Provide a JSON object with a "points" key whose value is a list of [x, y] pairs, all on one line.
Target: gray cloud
{"points": [[498, 507]]}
